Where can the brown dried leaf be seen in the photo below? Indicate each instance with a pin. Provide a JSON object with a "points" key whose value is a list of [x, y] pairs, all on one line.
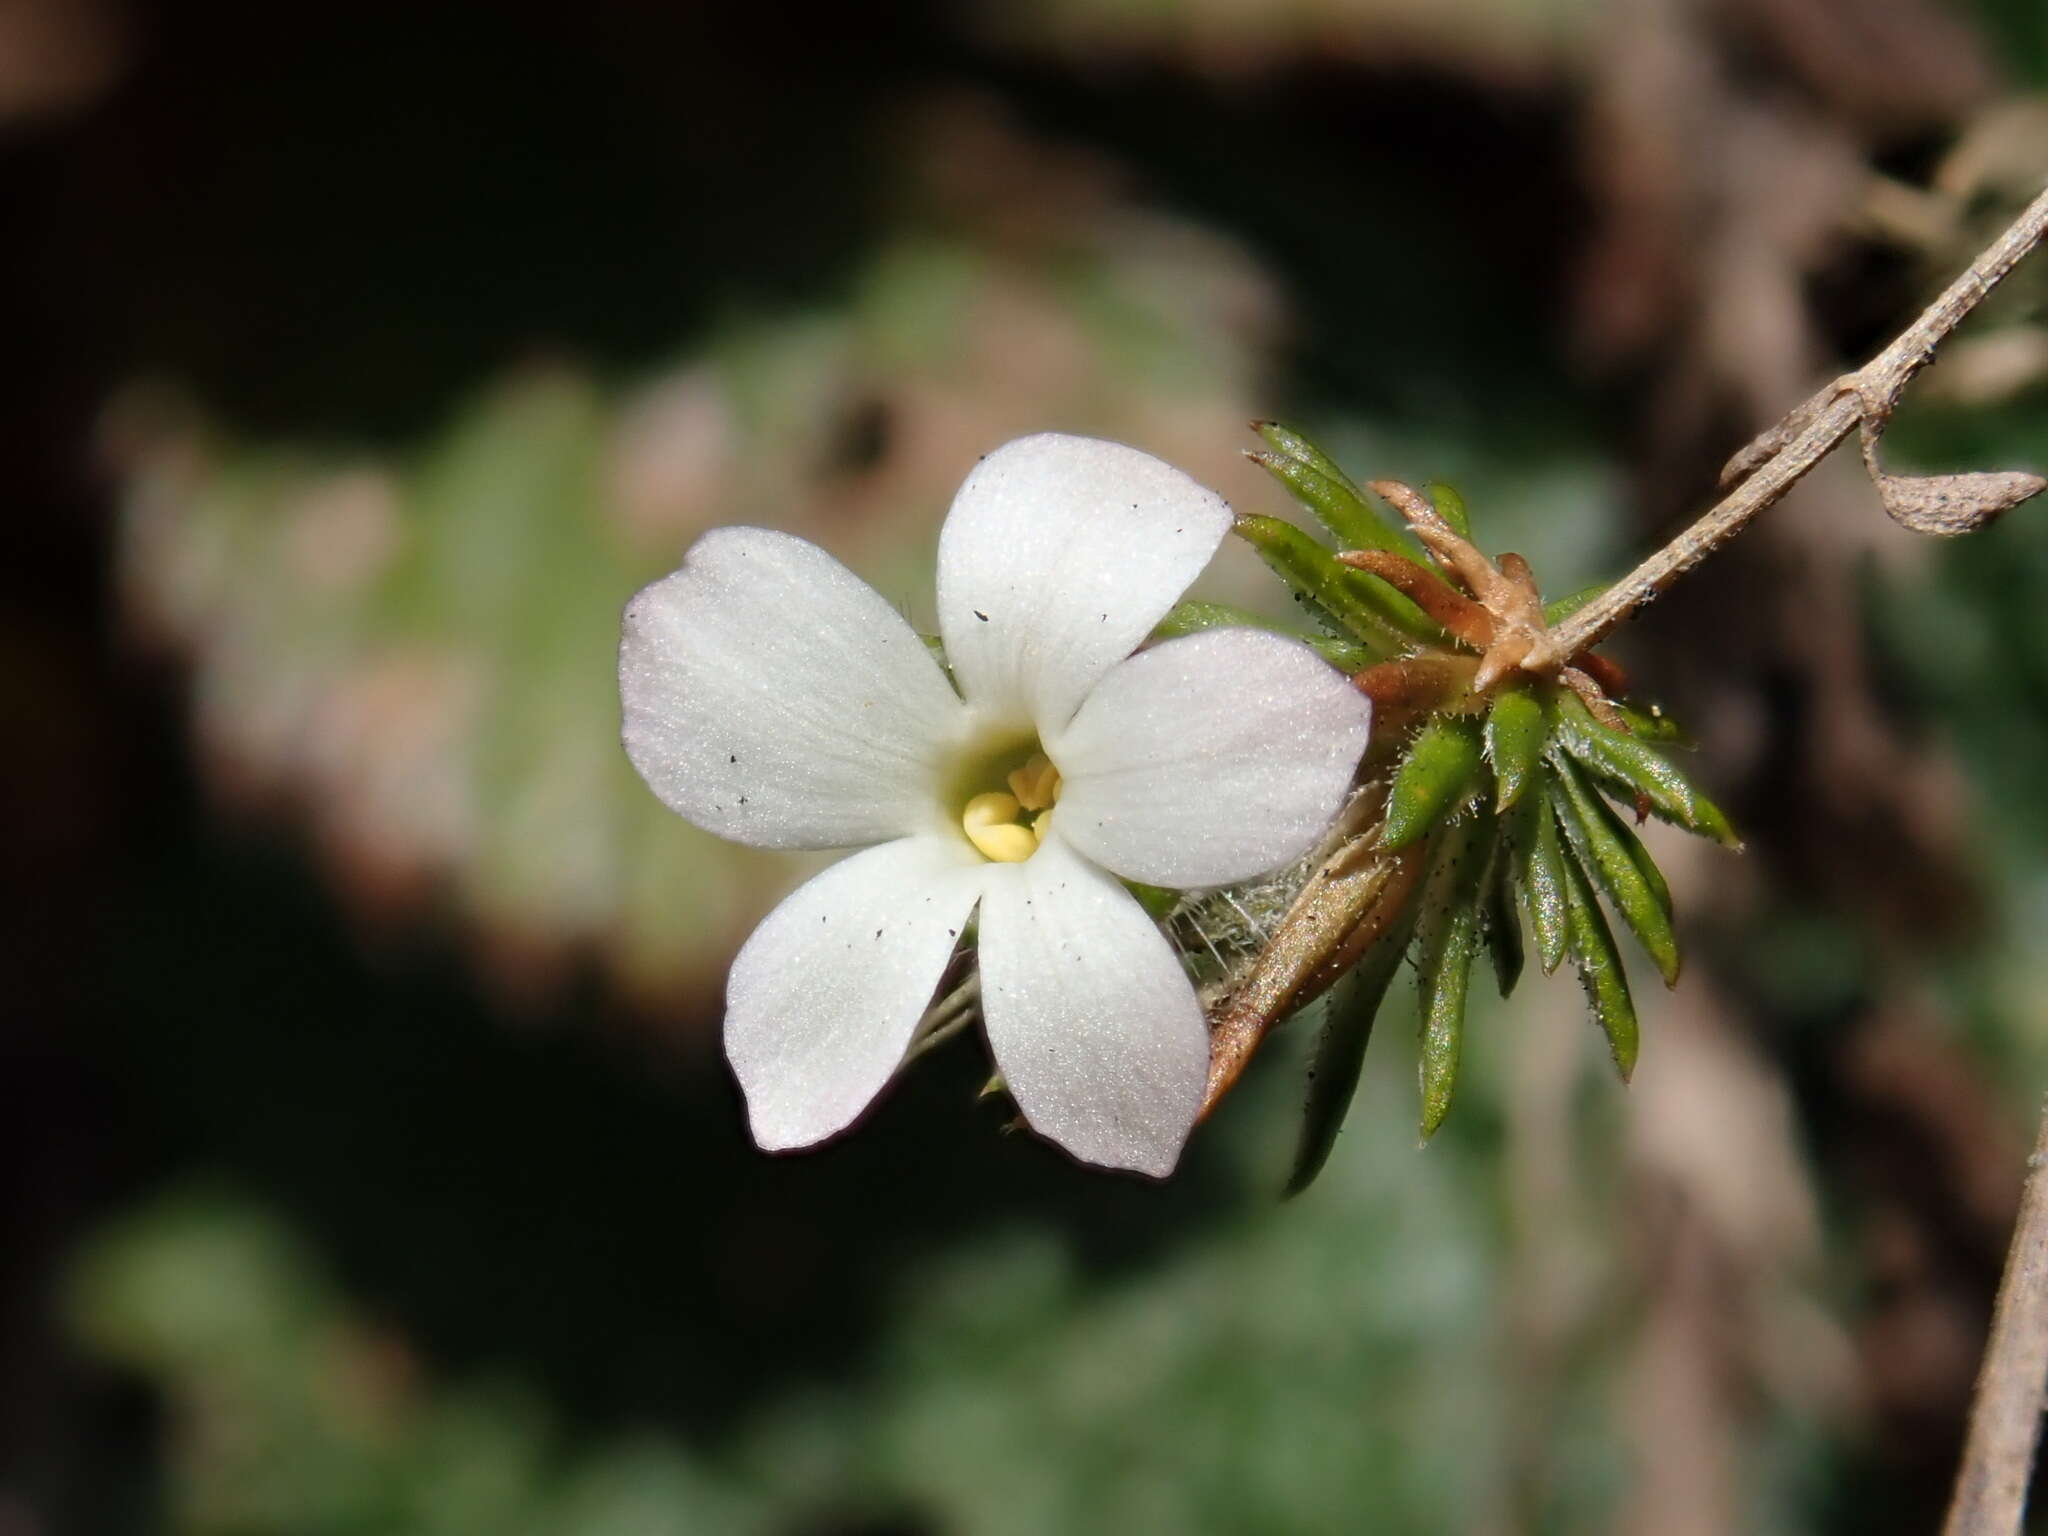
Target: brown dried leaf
{"points": [[1947, 505]]}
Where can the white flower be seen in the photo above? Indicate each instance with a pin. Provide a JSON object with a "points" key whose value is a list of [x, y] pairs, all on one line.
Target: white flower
{"points": [[775, 699]]}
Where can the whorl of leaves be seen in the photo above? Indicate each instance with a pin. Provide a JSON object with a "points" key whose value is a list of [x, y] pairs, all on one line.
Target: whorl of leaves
{"points": [[1524, 799]]}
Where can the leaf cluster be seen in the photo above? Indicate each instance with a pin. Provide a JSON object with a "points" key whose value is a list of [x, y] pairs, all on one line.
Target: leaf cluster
{"points": [[1523, 798]]}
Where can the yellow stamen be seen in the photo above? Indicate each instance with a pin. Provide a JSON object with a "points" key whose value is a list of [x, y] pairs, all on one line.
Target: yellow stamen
{"points": [[989, 810], [1038, 825], [1037, 784], [990, 822]]}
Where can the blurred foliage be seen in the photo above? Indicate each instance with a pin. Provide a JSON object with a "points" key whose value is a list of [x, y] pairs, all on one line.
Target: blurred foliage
{"points": [[415, 651], [1237, 37], [1964, 644], [1007, 1392]]}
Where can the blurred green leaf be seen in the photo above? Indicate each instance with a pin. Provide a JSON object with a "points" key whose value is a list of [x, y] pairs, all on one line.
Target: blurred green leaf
{"points": [[1501, 922], [1565, 607], [1451, 507], [1349, 1011], [1157, 900]]}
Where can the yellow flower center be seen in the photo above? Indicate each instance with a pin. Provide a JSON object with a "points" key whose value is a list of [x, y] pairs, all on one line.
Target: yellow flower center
{"points": [[1007, 827]]}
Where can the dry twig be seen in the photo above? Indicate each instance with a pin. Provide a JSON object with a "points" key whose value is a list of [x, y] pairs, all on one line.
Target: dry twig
{"points": [[2005, 1415], [1772, 464]]}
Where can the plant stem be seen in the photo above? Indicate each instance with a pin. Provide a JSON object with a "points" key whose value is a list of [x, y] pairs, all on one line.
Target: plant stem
{"points": [[2005, 1416], [1351, 901], [1786, 452]]}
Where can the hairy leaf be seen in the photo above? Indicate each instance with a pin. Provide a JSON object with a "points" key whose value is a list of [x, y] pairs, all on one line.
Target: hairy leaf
{"points": [[1435, 777], [1616, 862], [1313, 479], [1539, 862], [1450, 933], [1340, 599], [1651, 724], [1516, 730], [1638, 769], [1599, 966]]}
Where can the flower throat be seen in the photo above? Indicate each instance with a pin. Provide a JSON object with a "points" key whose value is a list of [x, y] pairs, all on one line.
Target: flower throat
{"points": [[1007, 826]]}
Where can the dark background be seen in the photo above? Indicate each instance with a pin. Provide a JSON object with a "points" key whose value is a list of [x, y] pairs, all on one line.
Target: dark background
{"points": [[354, 1177]]}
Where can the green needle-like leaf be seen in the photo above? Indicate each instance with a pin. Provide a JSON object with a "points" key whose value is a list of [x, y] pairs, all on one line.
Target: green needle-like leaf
{"points": [[1157, 900], [1196, 617], [1565, 607], [1599, 965], [1444, 989], [1436, 776], [1638, 769], [1616, 861], [1540, 874], [1499, 919], [1516, 731], [1348, 1014], [1293, 445], [1314, 480], [1343, 605], [1450, 933], [1450, 507], [1651, 725]]}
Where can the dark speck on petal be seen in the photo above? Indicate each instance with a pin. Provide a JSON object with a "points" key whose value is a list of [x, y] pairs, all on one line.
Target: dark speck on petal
{"points": [[981, 616]]}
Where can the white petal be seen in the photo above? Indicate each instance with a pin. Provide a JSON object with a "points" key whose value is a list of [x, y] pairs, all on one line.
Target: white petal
{"points": [[773, 697], [1058, 557], [1092, 1022], [1209, 759], [823, 999]]}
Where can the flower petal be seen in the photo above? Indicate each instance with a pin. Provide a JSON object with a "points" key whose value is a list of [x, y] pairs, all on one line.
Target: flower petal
{"points": [[774, 698], [1058, 557], [1208, 760], [1093, 1024], [825, 996]]}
